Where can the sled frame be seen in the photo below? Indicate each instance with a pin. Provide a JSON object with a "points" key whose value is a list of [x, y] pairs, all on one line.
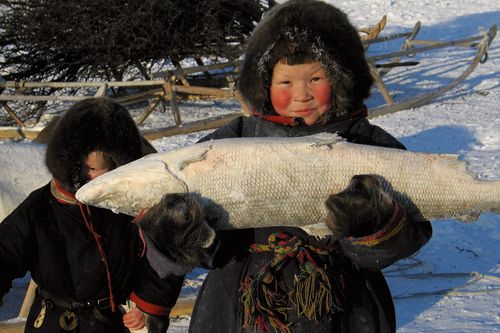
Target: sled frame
{"points": [[174, 85]]}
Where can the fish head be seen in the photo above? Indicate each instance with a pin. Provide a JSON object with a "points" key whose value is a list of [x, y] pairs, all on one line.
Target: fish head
{"points": [[132, 187]]}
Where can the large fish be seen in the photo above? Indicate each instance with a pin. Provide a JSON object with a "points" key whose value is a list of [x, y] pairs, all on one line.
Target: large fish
{"points": [[257, 182]]}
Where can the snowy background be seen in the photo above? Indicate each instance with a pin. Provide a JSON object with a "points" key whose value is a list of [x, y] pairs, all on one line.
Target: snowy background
{"points": [[453, 283]]}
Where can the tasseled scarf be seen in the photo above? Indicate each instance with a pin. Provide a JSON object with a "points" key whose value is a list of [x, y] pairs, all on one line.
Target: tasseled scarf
{"points": [[314, 296]]}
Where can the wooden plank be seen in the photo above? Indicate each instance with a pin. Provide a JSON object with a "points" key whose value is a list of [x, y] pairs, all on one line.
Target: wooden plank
{"points": [[30, 84], [139, 97], [37, 98], [14, 327], [197, 90], [190, 127], [434, 45], [198, 69], [150, 134], [17, 133], [430, 96], [194, 90], [183, 307]]}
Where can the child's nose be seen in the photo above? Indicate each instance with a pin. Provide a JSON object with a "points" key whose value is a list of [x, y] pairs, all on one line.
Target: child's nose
{"points": [[302, 93]]}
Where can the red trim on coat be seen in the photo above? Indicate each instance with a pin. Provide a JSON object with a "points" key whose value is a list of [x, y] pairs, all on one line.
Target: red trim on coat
{"points": [[138, 216], [278, 119], [97, 238], [141, 234], [62, 196], [67, 198], [361, 112], [150, 308]]}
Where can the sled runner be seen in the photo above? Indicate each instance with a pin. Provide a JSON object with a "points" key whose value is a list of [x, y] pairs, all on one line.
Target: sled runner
{"points": [[217, 81]]}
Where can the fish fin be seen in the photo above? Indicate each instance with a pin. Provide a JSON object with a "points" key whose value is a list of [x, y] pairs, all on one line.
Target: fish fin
{"points": [[455, 162], [469, 217], [319, 230], [180, 159]]}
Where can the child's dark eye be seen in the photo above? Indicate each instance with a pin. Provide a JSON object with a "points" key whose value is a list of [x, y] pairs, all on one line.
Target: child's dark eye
{"points": [[317, 79]]}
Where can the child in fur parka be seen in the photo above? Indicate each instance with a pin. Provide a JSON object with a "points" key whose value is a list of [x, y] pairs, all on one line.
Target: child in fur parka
{"points": [[86, 261], [304, 72]]}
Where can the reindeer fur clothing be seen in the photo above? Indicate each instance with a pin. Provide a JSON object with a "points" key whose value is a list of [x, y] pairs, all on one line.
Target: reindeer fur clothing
{"points": [[92, 124], [367, 304], [77, 253], [50, 240], [286, 32]]}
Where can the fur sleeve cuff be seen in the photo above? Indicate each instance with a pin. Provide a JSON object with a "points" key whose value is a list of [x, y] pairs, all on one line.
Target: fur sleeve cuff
{"points": [[393, 226]]}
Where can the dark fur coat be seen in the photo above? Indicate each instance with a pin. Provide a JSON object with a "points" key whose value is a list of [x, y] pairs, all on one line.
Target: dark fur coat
{"points": [[368, 303]]}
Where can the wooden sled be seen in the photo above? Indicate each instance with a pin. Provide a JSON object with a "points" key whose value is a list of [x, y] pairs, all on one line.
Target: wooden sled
{"points": [[178, 84]]}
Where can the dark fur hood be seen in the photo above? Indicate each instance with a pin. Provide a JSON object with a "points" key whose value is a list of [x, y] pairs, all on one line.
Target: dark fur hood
{"points": [[317, 31], [91, 124]]}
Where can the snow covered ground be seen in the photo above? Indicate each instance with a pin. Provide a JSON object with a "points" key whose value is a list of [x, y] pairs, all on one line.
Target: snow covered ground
{"points": [[453, 283]]}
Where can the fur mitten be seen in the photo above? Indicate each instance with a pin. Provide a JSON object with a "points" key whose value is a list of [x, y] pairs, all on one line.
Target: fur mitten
{"points": [[177, 227], [361, 209]]}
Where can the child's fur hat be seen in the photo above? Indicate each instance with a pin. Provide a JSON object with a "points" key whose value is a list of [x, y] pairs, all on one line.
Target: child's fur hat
{"points": [[306, 30], [91, 124]]}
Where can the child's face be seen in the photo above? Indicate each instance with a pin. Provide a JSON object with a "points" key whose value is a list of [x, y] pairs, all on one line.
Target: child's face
{"points": [[94, 165], [301, 91]]}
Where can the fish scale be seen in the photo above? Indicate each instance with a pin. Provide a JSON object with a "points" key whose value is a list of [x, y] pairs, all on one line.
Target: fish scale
{"points": [[257, 182]]}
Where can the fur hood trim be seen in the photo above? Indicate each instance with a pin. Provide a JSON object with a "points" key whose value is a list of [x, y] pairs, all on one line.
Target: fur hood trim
{"points": [[91, 124], [308, 30]]}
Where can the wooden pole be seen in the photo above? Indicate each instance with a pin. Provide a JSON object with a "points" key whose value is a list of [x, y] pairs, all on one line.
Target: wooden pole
{"points": [[13, 115], [404, 47], [28, 300], [380, 85], [152, 105], [172, 95], [374, 31]]}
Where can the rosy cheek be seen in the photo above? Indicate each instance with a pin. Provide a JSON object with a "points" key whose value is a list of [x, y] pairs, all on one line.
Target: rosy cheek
{"points": [[323, 94], [280, 98]]}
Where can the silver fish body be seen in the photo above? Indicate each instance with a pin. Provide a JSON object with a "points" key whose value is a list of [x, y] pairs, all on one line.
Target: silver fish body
{"points": [[259, 182]]}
